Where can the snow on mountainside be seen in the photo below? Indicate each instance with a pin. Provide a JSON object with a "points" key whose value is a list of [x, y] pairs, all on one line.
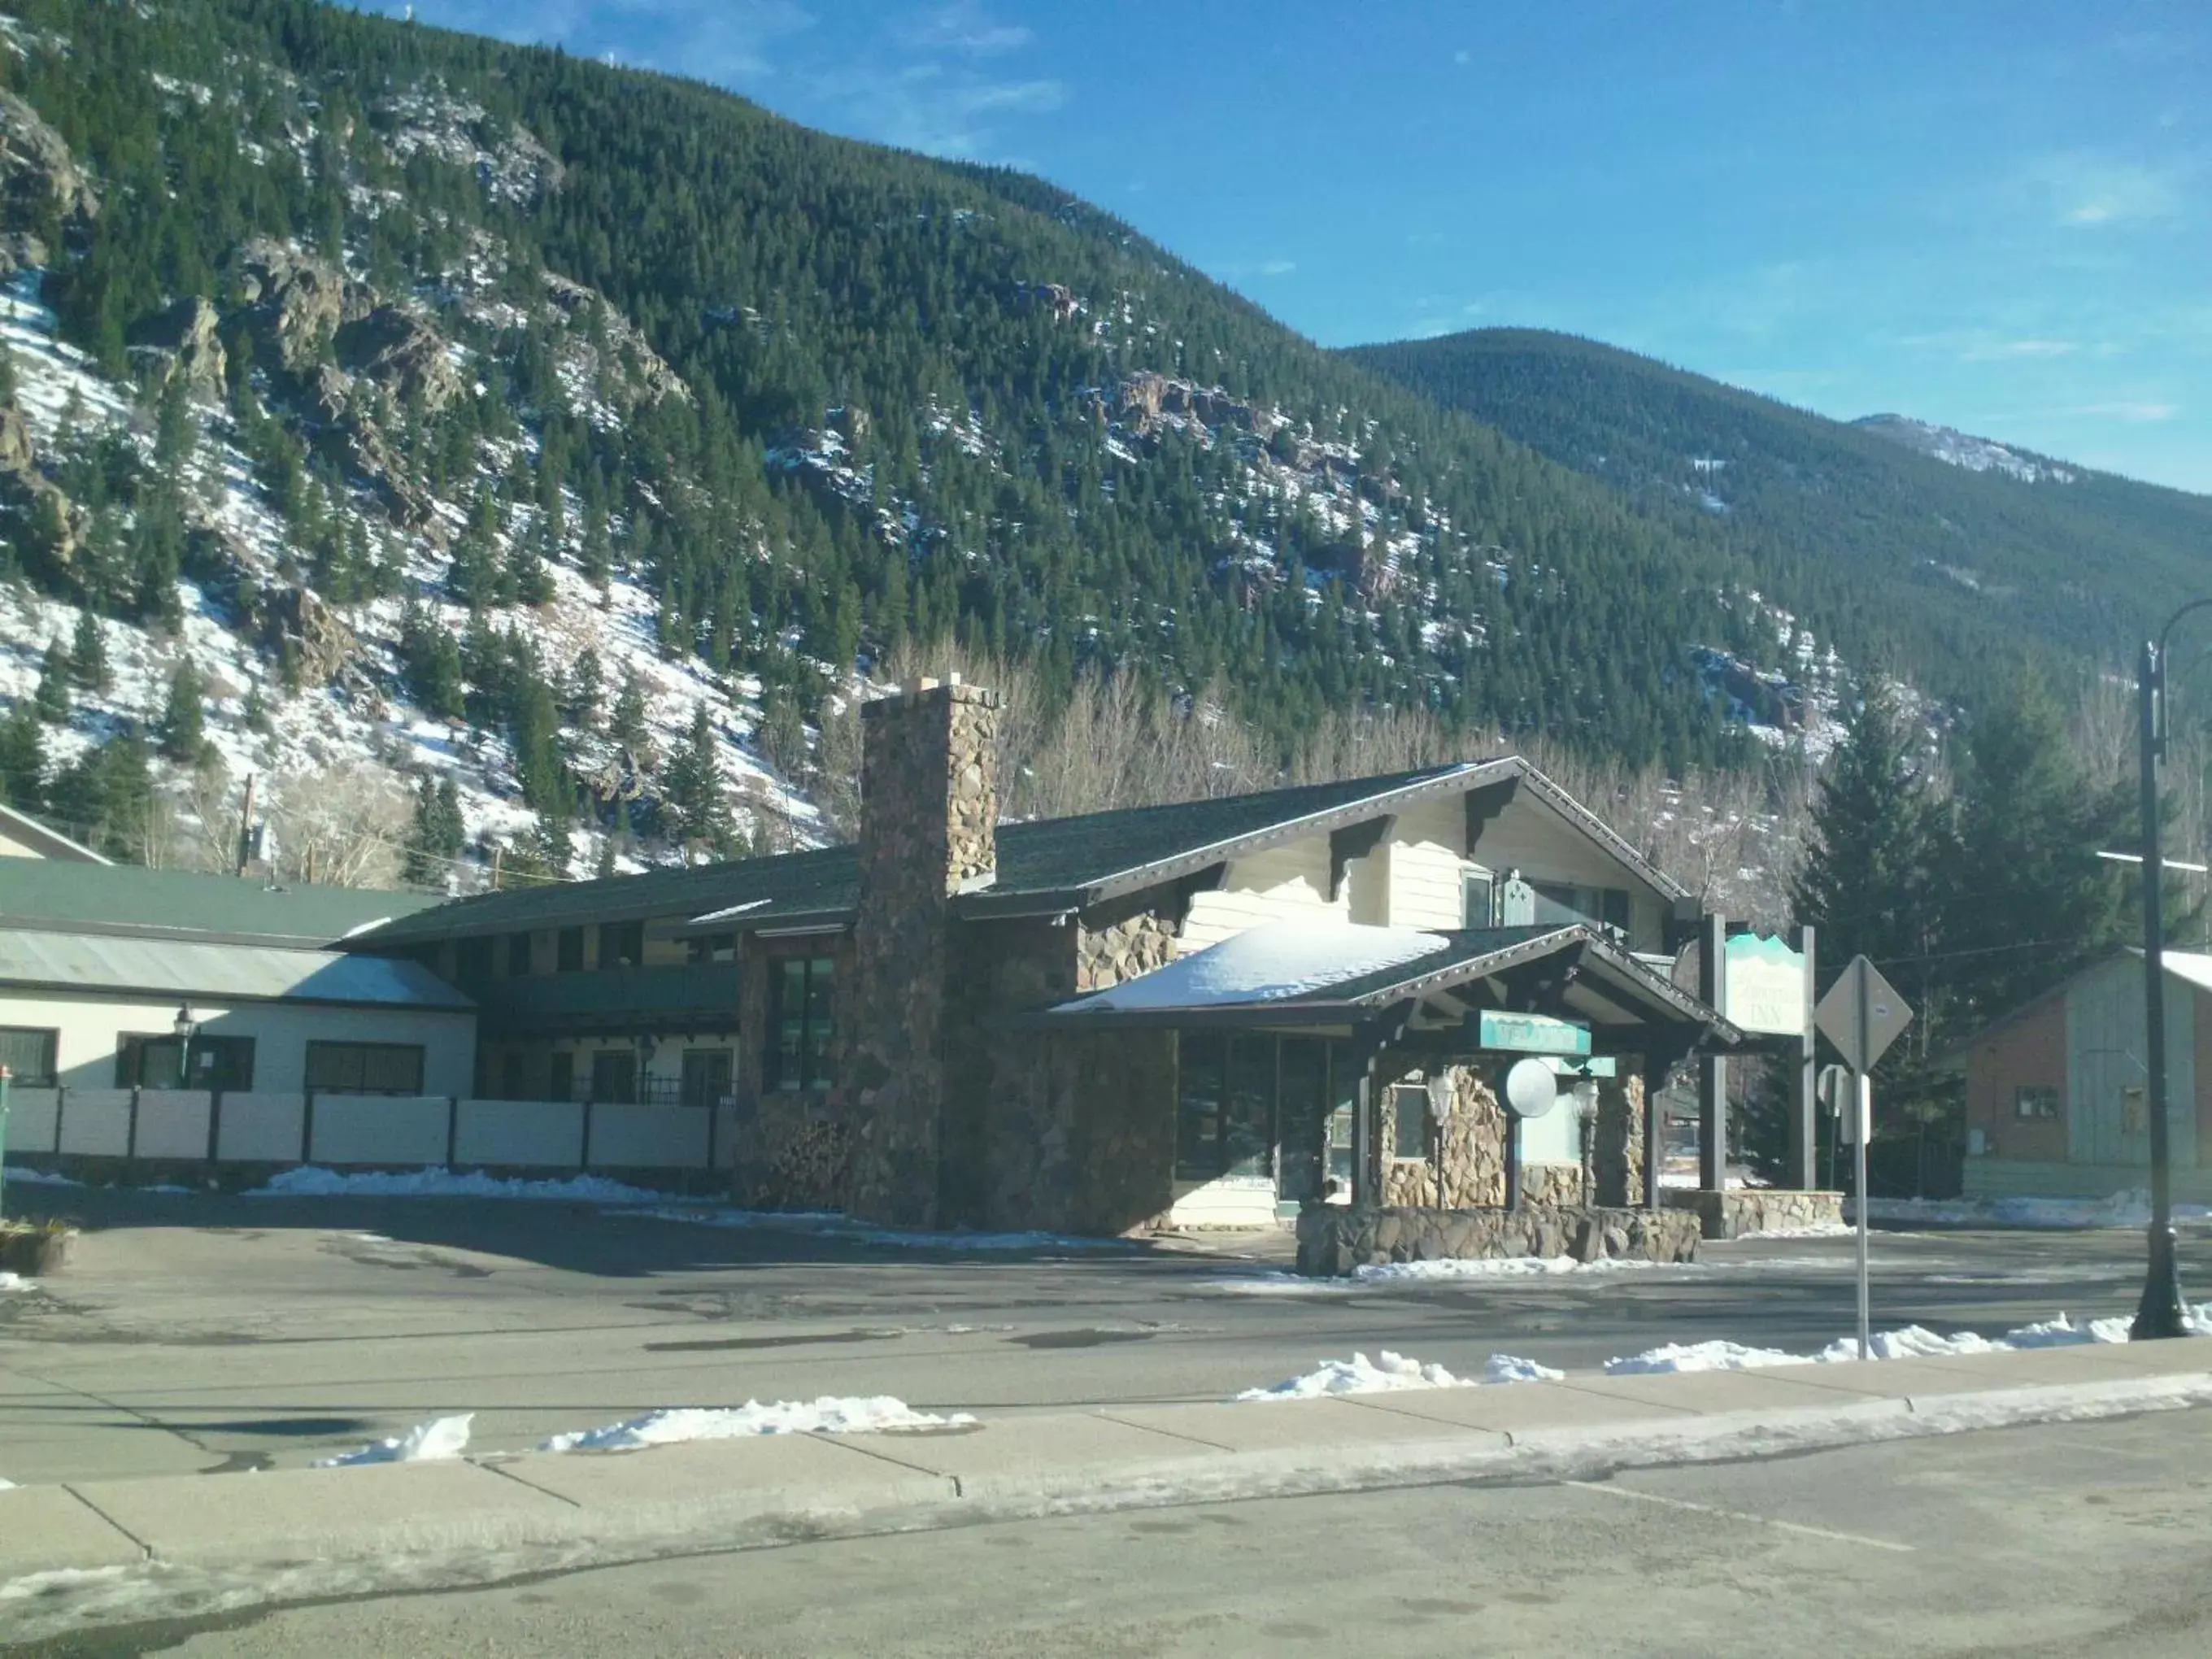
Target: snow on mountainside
{"points": [[356, 746], [1963, 449]]}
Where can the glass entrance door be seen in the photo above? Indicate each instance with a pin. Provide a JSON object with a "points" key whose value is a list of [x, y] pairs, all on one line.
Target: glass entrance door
{"points": [[1302, 1121]]}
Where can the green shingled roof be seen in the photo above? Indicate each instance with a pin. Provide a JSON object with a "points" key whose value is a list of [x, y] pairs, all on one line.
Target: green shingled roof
{"points": [[1047, 863], [126, 898]]}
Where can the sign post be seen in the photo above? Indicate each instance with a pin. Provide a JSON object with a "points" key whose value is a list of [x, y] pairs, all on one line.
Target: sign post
{"points": [[1862, 1015]]}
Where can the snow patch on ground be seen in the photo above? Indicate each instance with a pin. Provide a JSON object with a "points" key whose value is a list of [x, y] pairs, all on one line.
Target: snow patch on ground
{"points": [[1394, 1372], [2125, 1209], [1912, 1342], [829, 1415], [436, 1441], [17, 1175], [1504, 1266], [9, 1281], [312, 1181]]}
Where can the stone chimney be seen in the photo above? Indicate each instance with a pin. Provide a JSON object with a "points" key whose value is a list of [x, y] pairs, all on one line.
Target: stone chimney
{"points": [[929, 811]]}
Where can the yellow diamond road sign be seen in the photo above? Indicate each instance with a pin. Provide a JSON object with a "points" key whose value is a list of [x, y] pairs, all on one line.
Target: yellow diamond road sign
{"points": [[1863, 1014]]}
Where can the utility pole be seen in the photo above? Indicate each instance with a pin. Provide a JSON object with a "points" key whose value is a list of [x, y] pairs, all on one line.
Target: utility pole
{"points": [[245, 828], [2161, 1312]]}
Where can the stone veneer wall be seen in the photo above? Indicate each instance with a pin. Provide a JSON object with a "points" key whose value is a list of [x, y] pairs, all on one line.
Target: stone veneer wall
{"points": [[1617, 1158], [929, 823], [1469, 1168], [1742, 1212], [1335, 1241]]}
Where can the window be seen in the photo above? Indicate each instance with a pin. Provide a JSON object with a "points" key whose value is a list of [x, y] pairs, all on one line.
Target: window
{"points": [[560, 1076], [365, 1068], [707, 1073], [1225, 1111], [1409, 1119], [159, 1062], [614, 1076], [622, 943], [1480, 909], [802, 995], [28, 1054], [472, 960], [568, 950], [711, 947], [2035, 1101], [514, 1072], [518, 955], [2135, 1117], [1559, 904]]}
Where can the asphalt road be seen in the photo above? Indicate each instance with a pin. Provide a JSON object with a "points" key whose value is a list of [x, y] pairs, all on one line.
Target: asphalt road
{"points": [[2061, 1540], [211, 1334]]}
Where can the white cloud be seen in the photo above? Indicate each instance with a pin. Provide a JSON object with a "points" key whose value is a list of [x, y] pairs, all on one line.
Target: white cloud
{"points": [[1278, 267], [963, 27], [2134, 412], [2086, 192]]}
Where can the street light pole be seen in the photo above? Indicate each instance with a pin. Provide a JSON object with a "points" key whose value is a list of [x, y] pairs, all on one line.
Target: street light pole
{"points": [[2161, 1313]]}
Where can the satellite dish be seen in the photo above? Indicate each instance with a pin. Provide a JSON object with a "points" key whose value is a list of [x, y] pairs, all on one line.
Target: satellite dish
{"points": [[1532, 1089]]}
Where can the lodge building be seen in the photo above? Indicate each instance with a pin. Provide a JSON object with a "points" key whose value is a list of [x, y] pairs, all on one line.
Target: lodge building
{"points": [[1217, 1010]]}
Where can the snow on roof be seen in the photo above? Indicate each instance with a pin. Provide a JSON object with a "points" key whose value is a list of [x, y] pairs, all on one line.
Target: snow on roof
{"points": [[2190, 965], [1270, 962]]}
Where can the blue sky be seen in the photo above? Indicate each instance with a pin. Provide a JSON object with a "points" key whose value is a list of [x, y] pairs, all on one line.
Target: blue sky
{"points": [[1994, 216]]}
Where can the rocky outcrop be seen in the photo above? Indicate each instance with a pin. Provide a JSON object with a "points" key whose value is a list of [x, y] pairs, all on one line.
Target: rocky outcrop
{"points": [[296, 622], [20, 251], [185, 340], [641, 373], [58, 526], [1145, 398], [403, 355], [37, 174], [295, 303], [1335, 1241]]}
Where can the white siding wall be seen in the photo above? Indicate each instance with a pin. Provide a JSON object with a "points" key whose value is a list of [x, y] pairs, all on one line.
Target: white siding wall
{"points": [[1544, 847], [261, 1127], [1277, 885], [549, 1132], [1427, 871], [2104, 1045], [88, 1027]]}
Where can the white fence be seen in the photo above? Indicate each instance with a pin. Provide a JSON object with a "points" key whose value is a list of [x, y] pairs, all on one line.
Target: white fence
{"points": [[180, 1125]]}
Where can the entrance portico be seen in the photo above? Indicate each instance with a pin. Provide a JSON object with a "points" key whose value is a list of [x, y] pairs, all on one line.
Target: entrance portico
{"points": [[1294, 1041]]}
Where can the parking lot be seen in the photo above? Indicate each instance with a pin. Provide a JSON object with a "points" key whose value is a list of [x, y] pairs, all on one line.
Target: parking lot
{"points": [[212, 1333]]}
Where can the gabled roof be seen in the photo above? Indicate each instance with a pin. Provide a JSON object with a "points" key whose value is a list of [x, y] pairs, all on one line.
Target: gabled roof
{"points": [[43, 839], [2190, 967], [1044, 865], [1292, 974], [130, 899], [78, 963]]}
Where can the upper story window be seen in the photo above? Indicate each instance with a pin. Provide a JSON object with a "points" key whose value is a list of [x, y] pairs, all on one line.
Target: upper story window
{"points": [[711, 947], [568, 950], [1560, 903], [472, 959], [622, 943], [518, 955], [801, 998], [1480, 890]]}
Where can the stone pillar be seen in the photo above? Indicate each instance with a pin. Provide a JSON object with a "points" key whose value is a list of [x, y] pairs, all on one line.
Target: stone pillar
{"points": [[1617, 1158], [929, 812]]}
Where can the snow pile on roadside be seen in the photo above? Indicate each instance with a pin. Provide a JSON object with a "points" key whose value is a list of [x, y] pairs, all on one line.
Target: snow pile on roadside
{"points": [[1912, 1342], [1502, 1266], [18, 1176], [441, 1438], [1811, 1230], [12, 1281], [7, 1485], [2130, 1208], [1394, 1372], [1715, 1356], [312, 1181], [674, 1426]]}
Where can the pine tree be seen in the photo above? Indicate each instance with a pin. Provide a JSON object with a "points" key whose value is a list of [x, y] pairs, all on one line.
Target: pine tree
{"points": [[52, 699], [628, 727], [1867, 882], [22, 759], [183, 734], [437, 835], [87, 659], [692, 798], [2025, 900]]}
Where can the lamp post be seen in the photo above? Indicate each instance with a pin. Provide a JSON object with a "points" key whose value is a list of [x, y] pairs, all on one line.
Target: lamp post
{"points": [[186, 1027], [2161, 1312]]}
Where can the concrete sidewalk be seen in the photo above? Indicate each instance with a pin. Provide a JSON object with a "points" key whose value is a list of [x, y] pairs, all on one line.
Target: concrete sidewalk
{"points": [[101, 1552]]}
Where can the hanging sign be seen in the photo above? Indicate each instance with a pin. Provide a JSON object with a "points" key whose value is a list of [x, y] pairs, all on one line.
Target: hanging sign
{"points": [[1532, 1034], [1764, 985]]}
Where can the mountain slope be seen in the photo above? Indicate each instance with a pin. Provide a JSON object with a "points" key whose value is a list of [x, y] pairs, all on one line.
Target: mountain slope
{"points": [[1894, 543], [488, 328]]}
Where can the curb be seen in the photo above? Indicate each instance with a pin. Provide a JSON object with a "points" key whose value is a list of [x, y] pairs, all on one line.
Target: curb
{"points": [[474, 1521]]}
